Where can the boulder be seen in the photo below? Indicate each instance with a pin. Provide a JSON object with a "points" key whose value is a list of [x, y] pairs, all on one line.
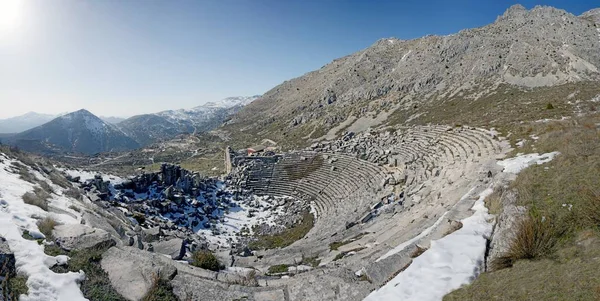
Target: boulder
{"points": [[152, 234], [171, 247], [78, 237], [132, 271]]}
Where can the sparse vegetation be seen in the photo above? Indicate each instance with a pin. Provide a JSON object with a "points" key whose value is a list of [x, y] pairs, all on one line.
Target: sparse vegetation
{"points": [[12, 287], [534, 238], [339, 256], [278, 269], [312, 261], [59, 179], [38, 198], [285, 238], [46, 226], [493, 202], [96, 285], [206, 260], [248, 279], [24, 172], [161, 290], [559, 236], [73, 192]]}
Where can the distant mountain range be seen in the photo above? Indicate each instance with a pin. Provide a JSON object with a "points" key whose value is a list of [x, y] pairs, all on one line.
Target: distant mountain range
{"points": [[30, 120], [77, 132], [24, 122], [83, 132], [149, 128]]}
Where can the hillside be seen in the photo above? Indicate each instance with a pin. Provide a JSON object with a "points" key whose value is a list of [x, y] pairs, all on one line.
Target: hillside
{"points": [[77, 132], [523, 50]]}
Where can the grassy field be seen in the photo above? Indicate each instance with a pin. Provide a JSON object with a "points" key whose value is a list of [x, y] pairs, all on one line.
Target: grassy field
{"points": [[555, 254]]}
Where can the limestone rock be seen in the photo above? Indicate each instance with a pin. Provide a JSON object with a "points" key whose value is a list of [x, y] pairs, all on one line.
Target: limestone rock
{"points": [[78, 237], [131, 271]]}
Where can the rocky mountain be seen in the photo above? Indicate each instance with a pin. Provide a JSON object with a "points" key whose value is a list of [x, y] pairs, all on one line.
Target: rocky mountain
{"points": [[523, 49], [77, 132], [112, 119], [149, 128], [227, 103], [24, 122]]}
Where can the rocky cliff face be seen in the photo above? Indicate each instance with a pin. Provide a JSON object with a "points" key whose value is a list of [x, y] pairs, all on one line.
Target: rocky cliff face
{"points": [[540, 47]]}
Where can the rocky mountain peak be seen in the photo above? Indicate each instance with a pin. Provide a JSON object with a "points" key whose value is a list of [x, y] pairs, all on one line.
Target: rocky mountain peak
{"points": [[516, 10], [592, 15]]}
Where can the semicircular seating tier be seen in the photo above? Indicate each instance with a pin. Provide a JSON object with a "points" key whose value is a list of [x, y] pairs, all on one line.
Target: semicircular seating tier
{"points": [[336, 185]]}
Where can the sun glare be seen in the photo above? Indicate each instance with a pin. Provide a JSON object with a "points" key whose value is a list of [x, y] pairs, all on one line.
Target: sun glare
{"points": [[10, 16]]}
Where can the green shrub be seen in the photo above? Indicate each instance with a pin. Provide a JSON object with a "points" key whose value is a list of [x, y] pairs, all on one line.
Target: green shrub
{"points": [[313, 261], [206, 260], [280, 268], [549, 106]]}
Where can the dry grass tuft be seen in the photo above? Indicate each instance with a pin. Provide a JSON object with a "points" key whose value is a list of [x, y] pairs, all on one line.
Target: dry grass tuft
{"points": [[591, 205], [58, 179], [161, 290], [534, 238], [46, 226], [38, 198], [494, 201]]}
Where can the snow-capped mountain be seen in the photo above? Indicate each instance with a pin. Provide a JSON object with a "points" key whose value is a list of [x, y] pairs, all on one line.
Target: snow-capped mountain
{"points": [[24, 122], [83, 132], [149, 128], [77, 132], [112, 119], [227, 103]]}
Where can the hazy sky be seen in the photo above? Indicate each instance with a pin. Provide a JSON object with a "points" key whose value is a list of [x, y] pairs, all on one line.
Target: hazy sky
{"points": [[124, 57]]}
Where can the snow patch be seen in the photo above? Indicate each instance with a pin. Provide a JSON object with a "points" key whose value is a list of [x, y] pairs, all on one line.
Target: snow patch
{"points": [[449, 263], [516, 164], [17, 217]]}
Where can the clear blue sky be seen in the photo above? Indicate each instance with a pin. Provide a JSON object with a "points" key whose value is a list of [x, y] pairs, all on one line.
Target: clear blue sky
{"points": [[127, 57]]}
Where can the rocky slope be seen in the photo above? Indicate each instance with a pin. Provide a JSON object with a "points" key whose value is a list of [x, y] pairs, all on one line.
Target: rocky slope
{"points": [[523, 48], [77, 132]]}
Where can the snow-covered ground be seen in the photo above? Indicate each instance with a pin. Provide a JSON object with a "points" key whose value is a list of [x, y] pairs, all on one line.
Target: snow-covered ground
{"points": [[456, 259], [88, 175], [238, 218], [516, 164], [31, 261]]}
